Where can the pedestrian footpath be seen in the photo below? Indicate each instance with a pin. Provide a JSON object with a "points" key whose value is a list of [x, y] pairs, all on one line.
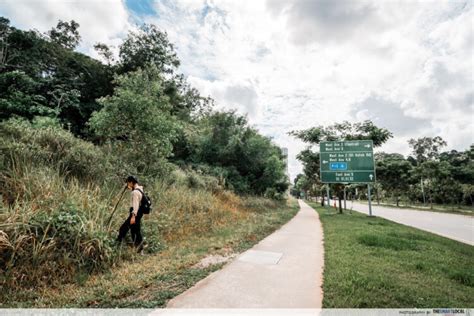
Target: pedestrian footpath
{"points": [[284, 270]]}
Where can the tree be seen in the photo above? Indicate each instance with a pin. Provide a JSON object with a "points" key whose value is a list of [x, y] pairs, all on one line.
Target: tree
{"points": [[65, 34], [148, 111], [5, 31], [461, 165], [311, 164], [310, 160], [105, 51], [426, 148], [136, 120], [340, 132], [468, 193], [21, 95], [434, 174], [393, 172], [148, 45], [302, 185], [248, 161], [40, 77], [344, 131]]}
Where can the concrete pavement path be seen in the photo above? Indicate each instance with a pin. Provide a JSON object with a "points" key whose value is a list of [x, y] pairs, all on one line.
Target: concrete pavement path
{"points": [[453, 226], [284, 270]]}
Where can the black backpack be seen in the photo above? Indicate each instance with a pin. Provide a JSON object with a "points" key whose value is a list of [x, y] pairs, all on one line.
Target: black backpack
{"points": [[145, 203]]}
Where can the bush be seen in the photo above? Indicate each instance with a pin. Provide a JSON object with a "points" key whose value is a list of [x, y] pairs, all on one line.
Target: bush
{"points": [[45, 143], [272, 193], [194, 180]]}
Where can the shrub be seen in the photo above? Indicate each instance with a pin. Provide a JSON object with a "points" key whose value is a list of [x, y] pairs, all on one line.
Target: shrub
{"points": [[44, 143]]}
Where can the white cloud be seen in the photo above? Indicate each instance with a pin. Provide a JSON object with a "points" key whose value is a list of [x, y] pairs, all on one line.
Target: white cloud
{"points": [[326, 21], [239, 96], [316, 63], [105, 21]]}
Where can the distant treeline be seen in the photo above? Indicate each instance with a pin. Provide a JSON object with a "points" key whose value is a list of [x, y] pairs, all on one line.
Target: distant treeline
{"points": [[429, 175]]}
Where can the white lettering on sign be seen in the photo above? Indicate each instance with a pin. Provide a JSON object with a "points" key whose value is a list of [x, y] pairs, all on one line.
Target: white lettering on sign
{"points": [[351, 144], [344, 176]]}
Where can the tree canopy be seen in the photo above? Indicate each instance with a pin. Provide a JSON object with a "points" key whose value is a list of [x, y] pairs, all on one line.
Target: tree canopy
{"points": [[137, 108], [344, 131]]}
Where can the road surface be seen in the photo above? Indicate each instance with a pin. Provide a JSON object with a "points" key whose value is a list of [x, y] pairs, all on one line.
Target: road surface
{"points": [[282, 271], [454, 226]]}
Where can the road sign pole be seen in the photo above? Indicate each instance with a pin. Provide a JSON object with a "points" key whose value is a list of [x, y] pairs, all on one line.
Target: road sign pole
{"points": [[327, 192], [345, 197], [370, 202]]}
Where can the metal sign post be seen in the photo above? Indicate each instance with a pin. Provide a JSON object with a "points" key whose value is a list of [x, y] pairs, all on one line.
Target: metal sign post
{"points": [[329, 200], [345, 197], [370, 202]]}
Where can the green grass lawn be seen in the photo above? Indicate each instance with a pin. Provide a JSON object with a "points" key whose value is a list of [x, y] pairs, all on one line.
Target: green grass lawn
{"points": [[376, 263]]}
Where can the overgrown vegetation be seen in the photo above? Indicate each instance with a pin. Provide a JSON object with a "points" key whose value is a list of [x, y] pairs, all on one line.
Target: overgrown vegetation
{"points": [[239, 224], [372, 262], [71, 128]]}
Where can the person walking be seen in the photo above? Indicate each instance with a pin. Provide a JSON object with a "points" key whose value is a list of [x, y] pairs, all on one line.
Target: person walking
{"points": [[132, 223]]}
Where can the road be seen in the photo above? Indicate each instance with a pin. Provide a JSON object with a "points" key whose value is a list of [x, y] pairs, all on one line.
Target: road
{"points": [[454, 226], [284, 270]]}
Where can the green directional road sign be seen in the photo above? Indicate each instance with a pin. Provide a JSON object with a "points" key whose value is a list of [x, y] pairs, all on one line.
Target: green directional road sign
{"points": [[349, 161]]}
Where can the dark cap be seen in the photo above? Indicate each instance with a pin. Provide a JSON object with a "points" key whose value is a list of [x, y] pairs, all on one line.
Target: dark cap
{"points": [[132, 179]]}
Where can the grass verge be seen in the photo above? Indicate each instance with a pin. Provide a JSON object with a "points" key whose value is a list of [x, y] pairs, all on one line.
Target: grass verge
{"points": [[376, 263], [151, 280]]}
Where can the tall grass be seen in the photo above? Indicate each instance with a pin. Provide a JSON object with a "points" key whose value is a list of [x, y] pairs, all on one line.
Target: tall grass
{"points": [[58, 193], [58, 229], [55, 230]]}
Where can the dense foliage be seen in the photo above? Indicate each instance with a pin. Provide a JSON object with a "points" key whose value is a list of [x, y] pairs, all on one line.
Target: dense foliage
{"points": [[72, 127], [137, 108]]}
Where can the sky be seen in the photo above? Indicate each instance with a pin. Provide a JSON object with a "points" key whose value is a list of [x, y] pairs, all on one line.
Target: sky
{"points": [[294, 64]]}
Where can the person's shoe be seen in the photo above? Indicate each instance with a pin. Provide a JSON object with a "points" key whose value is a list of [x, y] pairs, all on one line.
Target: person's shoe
{"points": [[140, 248]]}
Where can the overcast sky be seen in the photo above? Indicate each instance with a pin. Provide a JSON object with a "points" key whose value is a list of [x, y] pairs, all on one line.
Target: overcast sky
{"points": [[293, 64]]}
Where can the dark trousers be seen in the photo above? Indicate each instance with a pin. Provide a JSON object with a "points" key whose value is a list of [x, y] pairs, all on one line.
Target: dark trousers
{"points": [[134, 229]]}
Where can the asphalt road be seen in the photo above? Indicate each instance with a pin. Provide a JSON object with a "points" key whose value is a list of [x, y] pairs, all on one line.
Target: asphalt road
{"points": [[454, 226]]}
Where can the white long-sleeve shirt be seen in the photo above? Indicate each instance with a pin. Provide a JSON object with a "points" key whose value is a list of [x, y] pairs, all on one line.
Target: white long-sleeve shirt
{"points": [[136, 197]]}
